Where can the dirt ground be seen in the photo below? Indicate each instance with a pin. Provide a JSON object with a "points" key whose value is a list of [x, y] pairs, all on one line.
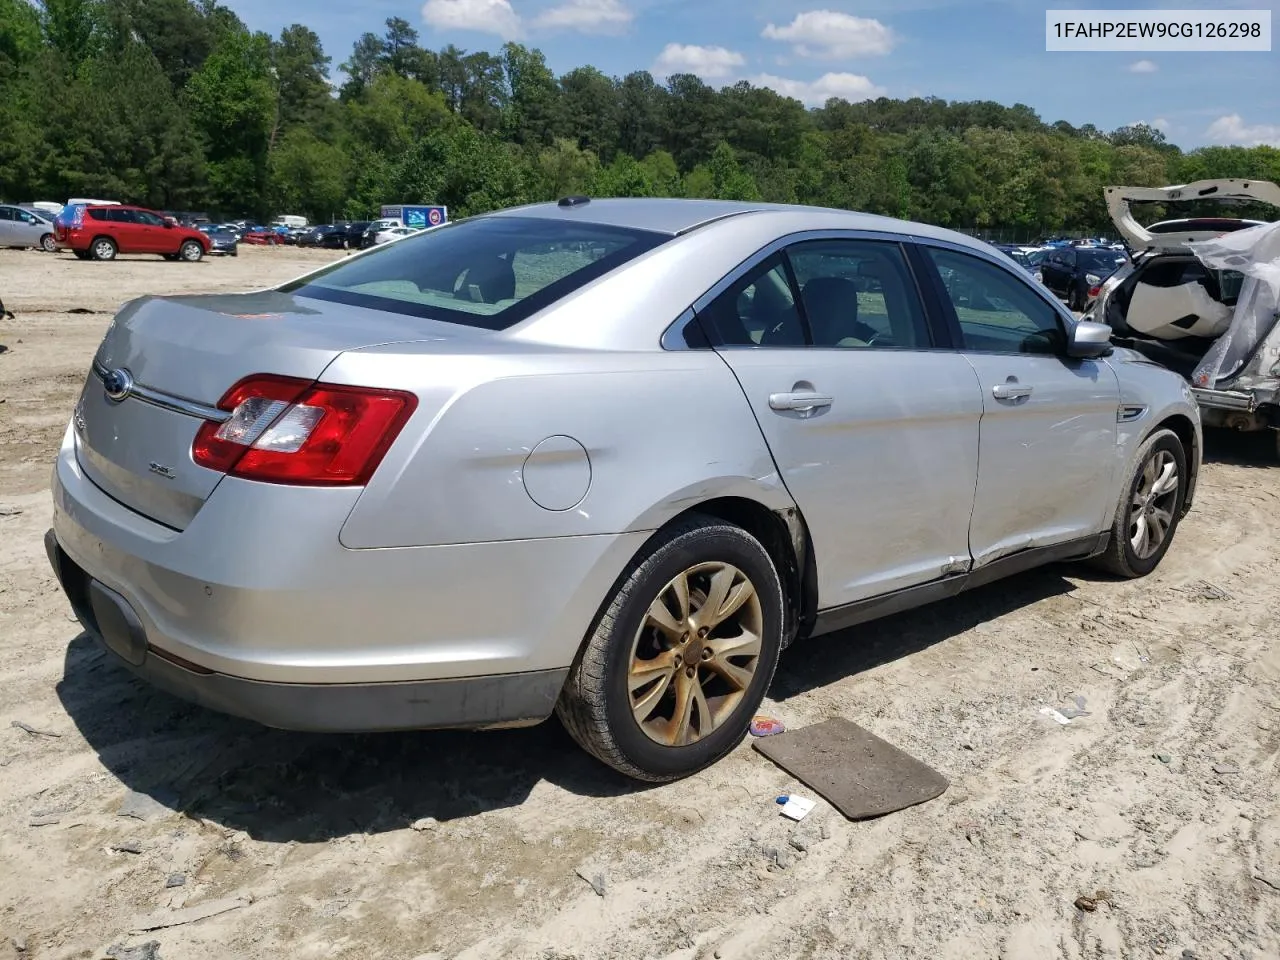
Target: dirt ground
{"points": [[1166, 795]]}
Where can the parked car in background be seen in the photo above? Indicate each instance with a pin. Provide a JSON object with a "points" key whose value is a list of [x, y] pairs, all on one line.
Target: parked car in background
{"points": [[221, 241], [26, 228], [392, 233], [1076, 273], [325, 235], [376, 227], [461, 445], [259, 236], [1201, 296], [353, 234], [289, 221], [102, 232]]}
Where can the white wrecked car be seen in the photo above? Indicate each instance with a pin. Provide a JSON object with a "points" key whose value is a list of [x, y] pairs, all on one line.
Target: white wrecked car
{"points": [[1200, 296]]}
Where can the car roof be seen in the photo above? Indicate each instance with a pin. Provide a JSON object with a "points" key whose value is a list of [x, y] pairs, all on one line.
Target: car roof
{"points": [[678, 216]]}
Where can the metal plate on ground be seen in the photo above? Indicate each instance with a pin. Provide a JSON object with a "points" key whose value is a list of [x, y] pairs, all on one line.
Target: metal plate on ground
{"points": [[851, 768]]}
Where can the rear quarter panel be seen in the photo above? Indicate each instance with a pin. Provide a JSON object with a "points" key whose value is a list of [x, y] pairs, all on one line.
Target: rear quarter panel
{"points": [[662, 431]]}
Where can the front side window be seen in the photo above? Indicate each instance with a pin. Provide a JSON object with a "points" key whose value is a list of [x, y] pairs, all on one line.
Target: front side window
{"points": [[997, 312], [148, 218], [491, 272], [858, 293]]}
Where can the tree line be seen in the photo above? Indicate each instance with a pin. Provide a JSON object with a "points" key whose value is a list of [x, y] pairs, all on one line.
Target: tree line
{"points": [[177, 105]]}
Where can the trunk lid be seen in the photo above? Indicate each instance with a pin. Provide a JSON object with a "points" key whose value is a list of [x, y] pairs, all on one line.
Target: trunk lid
{"points": [[169, 361], [1228, 191]]}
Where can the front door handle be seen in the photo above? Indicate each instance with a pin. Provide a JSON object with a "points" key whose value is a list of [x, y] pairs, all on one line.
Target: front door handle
{"points": [[800, 402], [1010, 391]]}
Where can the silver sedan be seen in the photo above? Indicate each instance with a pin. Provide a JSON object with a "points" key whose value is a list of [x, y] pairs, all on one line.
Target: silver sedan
{"points": [[604, 458]]}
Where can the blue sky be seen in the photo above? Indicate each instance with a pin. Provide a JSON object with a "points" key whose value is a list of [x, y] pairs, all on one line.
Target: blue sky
{"points": [[810, 50]]}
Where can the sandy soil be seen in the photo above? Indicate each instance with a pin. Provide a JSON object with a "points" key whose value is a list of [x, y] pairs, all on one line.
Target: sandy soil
{"points": [[1165, 796]]}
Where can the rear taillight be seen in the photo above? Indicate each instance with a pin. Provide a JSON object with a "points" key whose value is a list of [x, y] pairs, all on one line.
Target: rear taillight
{"points": [[284, 430], [1093, 292]]}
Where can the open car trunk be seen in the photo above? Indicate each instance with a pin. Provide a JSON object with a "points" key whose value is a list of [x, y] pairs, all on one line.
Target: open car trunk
{"points": [[1201, 295]]}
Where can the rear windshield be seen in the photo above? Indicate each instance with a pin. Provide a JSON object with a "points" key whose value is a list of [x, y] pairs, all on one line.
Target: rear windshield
{"points": [[490, 272], [1108, 259]]}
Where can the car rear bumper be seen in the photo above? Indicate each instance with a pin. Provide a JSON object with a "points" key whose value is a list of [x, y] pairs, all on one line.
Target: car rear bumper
{"points": [[471, 702], [256, 609]]}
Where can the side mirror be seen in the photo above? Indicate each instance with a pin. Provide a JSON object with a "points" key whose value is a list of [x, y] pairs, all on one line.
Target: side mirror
{"points": [[168, 224], [1088, 339]]}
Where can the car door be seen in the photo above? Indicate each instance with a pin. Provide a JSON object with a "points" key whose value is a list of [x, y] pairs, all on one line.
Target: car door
{"points": [[873, 431], [1048, 432], [152, 234], [30, 228], [1051, 271], [9, 227], [122, 228]]}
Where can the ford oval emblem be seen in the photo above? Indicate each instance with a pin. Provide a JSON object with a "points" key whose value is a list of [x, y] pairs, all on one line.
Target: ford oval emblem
{"points": [[118, 384]]}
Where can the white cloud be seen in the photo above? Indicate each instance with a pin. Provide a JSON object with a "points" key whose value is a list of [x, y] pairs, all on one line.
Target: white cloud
{"points": [[587, 16], [848, 86], [1161, 124], [1143, 66], [709, 63], [485, 16], [1232, 129], [827, 35]]}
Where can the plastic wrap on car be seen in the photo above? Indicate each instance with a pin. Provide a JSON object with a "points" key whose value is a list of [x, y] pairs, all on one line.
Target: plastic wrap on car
{"points": [[1255, 253]]}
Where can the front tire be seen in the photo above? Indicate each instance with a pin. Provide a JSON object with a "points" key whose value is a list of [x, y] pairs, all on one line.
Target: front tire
{"points": [[681, 657], [48, 244], [1150, 507], [190, 251]]}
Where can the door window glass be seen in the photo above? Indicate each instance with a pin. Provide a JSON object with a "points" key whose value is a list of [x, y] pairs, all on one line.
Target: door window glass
{"points": [[6, 213], [858, 293], [145, 217], [997, 312], [759, 309]]}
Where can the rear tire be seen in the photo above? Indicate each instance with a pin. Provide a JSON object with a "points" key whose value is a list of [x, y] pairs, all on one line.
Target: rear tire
{"points": [[103, 248], [1149, 510], [48, 244], [708, 670]]}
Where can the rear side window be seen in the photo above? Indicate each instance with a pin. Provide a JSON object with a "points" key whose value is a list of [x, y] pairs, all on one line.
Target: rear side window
{"points": [[98, 214], [858, 293], [491, 272]]}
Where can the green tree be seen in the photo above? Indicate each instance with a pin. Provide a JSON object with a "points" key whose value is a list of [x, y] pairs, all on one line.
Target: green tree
{"points": [[233, 103], [532, 95], [302, 77], [71, 28]]}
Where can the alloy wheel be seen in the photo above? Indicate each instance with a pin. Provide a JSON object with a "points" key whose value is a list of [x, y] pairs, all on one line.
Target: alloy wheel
{"points": [[695, 654], [1154, 501], [48, 244], [104, 250]]}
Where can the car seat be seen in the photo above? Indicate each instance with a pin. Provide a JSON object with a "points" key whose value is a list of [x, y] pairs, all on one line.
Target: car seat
{"points": [[489, 281]]}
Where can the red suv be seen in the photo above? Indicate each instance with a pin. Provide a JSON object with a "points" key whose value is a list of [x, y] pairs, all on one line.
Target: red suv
{"points": [[99, 232]]}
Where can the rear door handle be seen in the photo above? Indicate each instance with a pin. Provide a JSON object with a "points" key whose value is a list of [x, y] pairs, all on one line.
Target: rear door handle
{"points": [[800, 402], [1010, 391]]}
